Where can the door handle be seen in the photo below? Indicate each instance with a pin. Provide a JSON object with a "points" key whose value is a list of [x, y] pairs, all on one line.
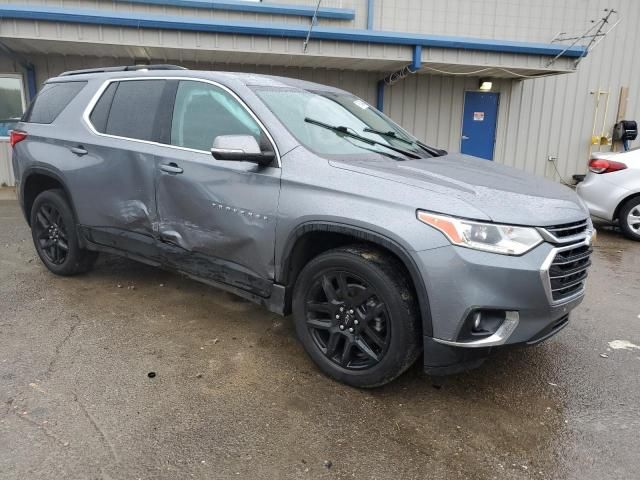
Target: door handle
{"points": [[464, 137], [172, 168], [79, 150]]}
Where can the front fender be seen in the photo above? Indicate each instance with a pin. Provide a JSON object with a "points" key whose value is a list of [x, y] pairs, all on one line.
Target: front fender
{"points": [[365, 235]]}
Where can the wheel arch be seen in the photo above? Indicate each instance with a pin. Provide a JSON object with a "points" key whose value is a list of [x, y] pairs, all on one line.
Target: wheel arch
{"points": [[621, 203], [313, 238], [35, 181]]}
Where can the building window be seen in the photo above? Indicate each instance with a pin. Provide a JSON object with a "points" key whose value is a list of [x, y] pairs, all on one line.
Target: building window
{"points": [[12, 101]]}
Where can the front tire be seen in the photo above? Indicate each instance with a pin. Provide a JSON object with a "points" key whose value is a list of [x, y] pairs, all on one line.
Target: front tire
{"points": [[53, 228], [630, 219], [356, 316]]}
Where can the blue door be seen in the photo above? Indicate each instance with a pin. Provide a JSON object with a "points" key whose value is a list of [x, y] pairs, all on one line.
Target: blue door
{"points": [[479, 124]]}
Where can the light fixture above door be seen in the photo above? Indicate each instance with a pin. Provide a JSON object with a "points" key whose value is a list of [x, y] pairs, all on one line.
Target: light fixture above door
{"points": [[485, 84]]}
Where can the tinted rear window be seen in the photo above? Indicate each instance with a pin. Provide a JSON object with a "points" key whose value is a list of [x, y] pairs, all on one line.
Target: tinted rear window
{"points": [[51, 101], [134, 108], [100, 112]]}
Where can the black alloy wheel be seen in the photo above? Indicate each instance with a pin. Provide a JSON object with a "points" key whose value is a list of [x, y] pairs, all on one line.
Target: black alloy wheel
{"points": [[51, 234], [356, 315], [55, 235], [347, 320]]}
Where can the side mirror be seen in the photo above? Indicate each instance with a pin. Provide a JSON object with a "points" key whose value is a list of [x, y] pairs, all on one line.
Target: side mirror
{"points": [[240, 148]]}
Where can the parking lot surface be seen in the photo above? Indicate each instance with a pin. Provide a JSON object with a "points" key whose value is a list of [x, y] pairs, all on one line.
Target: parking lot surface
{"points": [[235, 396]]}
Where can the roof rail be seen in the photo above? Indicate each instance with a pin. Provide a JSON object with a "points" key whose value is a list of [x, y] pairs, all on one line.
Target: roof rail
{"points": [[126, 68]]}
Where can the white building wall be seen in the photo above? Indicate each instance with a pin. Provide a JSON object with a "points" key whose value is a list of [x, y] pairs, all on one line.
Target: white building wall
{"points": [[527, 21], [360, 6], [537, 118], [360, 83], [6, 167]]}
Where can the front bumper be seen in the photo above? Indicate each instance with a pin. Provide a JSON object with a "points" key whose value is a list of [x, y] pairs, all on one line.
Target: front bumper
{"points": [[461, 281]]}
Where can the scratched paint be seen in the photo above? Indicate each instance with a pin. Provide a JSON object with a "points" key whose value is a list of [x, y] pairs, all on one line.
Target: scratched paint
{"points": [[134, 213]]}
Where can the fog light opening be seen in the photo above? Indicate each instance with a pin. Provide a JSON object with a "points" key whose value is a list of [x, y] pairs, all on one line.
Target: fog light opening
{"points": [[477, 318], [482, 323], [494, 327]]}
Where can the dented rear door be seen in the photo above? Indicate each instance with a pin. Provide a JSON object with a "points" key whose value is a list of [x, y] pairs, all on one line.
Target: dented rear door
{"points": [[116, 195]]}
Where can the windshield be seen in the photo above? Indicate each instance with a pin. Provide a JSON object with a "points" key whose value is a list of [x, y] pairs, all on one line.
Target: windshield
{"points": [[308, 113]]}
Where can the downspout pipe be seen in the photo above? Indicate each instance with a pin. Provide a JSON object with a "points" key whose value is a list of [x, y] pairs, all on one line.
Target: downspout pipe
{"points": [[31, 81], [416, 63], [413, 67], [380, 95], [370, 7]]}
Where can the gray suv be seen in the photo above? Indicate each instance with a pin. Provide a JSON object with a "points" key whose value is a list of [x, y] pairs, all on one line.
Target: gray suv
{"points": [[305, 199]]}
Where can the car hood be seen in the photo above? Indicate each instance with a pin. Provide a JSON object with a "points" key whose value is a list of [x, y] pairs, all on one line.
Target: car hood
{"points": [[503, 194]]}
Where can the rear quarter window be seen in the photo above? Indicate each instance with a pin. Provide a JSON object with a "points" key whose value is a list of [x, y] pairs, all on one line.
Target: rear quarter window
{"points": [[100, 112], [134, 108], [51, 101]]}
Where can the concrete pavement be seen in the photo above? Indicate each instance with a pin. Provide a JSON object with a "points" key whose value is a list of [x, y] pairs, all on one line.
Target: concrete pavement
{"points": [[234, 395]]}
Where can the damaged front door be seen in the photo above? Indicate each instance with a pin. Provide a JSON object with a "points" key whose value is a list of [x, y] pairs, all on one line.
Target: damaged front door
{"points": [[218, 218]]}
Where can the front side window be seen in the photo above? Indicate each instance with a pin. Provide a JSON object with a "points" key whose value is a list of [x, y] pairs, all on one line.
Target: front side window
{"points": [[203, 112], [297, 109]]}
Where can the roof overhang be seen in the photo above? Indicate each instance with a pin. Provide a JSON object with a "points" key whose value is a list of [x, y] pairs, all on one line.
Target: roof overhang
{"points": [[257, 7], [139, 36]]}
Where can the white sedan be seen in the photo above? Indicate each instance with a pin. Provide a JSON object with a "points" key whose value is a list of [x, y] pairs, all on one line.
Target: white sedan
{"points": [[611, 190]]}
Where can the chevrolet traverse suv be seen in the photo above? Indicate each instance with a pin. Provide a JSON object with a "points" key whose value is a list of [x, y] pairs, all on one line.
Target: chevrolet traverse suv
{"points": [[305, 199]]}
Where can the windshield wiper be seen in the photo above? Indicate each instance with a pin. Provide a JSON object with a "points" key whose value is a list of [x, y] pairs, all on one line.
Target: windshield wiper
{"points": [[390, 134], [436, 152], [341, 130], [375, 150]]}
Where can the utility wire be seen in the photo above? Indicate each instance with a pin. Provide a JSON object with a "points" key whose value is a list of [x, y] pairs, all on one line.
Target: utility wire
{"points": [[313, 22], [483, 70], [404, 72], [562, 180]]}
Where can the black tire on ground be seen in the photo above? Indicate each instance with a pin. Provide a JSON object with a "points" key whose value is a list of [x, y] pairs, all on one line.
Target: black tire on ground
{"points": [[631, 209], [379, 307], [54, 233]]}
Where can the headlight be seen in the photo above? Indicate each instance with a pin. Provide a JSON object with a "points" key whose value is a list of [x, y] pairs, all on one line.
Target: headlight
{"points": [[489, 237]]}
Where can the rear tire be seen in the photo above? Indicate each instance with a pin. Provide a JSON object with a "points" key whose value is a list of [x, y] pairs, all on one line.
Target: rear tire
{"points": [[356, 315], [55, 236], [630, 219]]}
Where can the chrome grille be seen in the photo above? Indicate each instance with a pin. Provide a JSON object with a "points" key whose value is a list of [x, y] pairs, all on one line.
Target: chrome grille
{"points": [[568, 229], [568, 271]]}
